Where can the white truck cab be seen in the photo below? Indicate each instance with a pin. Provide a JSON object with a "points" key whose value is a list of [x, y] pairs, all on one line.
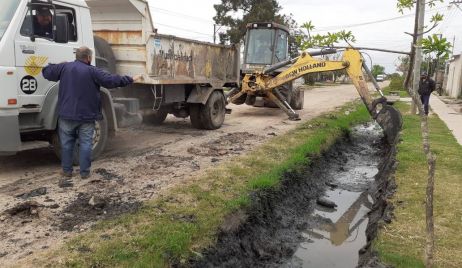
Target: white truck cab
{"points": [[27, 100]]}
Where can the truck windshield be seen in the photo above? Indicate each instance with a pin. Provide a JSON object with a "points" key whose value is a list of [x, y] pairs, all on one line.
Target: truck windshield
{"points": [[260, 46], [6, 14]]}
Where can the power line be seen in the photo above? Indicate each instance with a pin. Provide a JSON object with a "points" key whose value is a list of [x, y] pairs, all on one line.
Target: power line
{"points": [[327, 28], [183, 29], [170, 12]]}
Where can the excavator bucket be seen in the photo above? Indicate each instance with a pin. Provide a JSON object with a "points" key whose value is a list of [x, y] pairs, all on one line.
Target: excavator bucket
{"points": [[390, 121], [388, 117]]}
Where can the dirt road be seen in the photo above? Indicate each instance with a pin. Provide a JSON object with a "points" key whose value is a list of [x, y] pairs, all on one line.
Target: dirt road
{"points": [[138, 165]]}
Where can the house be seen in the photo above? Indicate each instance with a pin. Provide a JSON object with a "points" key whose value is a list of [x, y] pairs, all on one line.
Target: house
{"points": [[453, 80]]}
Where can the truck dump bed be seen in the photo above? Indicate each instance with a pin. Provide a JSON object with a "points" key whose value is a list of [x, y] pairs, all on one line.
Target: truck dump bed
{"points": [[165, 59]]}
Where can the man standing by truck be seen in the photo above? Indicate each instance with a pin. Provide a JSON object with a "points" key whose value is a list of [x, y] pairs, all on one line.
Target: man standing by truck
{"points": [[79, 105]]}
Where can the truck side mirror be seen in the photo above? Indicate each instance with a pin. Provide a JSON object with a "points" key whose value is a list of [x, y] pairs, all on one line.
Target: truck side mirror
{"points": [[62, 29]]}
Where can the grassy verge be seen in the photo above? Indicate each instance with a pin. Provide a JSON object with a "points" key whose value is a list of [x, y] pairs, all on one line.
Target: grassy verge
{"points": [[402, 242], [402, 93], [186, 220]]}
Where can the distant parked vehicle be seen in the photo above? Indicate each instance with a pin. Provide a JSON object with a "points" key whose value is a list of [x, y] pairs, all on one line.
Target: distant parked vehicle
{"points": [[380, 77]]}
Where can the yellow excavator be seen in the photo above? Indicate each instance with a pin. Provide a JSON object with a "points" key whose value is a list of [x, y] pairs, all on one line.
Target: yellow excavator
{"points": [[268, 73]]}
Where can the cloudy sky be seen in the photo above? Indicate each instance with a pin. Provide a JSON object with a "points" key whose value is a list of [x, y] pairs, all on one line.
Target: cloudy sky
{"points": [[375, 23]]}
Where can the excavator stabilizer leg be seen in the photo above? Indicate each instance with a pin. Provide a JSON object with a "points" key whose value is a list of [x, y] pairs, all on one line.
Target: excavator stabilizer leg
{"points": [[277, 98]]}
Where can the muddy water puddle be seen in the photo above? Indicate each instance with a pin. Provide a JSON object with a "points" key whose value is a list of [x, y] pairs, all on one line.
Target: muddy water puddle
{"points": [[338, 234], [337, 241]]}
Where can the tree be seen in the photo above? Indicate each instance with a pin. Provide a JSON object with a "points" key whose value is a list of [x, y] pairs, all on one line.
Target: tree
{"points": [[403, 65], [252, 11], [377, 69], [306, 40], [437, 50], [416, 59]]}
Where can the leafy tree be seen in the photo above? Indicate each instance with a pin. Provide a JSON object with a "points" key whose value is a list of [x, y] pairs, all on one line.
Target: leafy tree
{"points": [[252, 11], [403, 65], [307, 40], [377, 69], [437, 50], [437, 45], [409, 4]]}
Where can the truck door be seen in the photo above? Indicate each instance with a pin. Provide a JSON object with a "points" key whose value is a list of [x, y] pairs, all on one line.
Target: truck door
{"points": [[35, 48]]}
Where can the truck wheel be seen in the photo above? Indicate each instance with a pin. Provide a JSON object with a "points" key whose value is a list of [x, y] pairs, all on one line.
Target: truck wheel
{"points": [[213, 112], [297, 99], [156, 118], [100, 137], [105, 58]]}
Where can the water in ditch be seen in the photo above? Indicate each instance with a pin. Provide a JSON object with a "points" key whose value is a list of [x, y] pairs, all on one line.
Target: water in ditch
{"points": [[285, 227], [336, 235]]}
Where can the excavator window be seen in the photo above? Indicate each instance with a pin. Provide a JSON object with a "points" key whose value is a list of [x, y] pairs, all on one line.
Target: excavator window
{"points": [[280, 53], [260, 46]]}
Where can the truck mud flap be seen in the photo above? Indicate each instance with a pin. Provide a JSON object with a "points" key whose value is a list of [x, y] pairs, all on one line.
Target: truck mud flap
{"points": [[10, 140]]}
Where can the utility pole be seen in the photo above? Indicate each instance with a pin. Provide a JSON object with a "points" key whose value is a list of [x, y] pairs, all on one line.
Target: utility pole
{"points": [[215, 30], [214, 33], [418, 44]]}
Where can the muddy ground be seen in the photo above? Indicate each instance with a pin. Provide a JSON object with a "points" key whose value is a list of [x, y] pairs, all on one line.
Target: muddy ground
{"points": [[38, 211], [294, 226]]}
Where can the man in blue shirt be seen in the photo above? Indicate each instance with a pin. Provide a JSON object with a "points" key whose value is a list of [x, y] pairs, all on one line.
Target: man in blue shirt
{"points": [[79, 105]]}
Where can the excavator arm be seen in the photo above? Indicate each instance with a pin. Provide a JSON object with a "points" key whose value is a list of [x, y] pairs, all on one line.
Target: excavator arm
{"points": [[264, 84]]}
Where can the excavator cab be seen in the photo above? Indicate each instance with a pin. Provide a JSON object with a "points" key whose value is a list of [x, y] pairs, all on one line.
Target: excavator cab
{"points": [[266, 43]]}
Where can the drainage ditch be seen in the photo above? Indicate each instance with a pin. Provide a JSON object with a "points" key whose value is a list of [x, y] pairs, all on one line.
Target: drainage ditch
{"points": [[324, 215]]}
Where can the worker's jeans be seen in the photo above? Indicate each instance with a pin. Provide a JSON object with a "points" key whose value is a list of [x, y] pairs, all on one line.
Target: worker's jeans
{"points": [[69, 133], [425, 101]]}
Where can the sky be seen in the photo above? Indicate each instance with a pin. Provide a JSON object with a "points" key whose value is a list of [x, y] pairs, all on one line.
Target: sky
{"points": [[382, 25]]}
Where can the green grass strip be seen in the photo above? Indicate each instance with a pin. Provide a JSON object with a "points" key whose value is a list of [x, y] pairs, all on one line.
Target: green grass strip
{"points": [[402, 243], [187, 219]]}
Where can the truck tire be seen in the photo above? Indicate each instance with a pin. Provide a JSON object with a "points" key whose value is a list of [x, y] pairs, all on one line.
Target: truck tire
{"points": [[156, 118], [104, 55], [100, 138], [214, 111], [211, 115], [297, 99]]}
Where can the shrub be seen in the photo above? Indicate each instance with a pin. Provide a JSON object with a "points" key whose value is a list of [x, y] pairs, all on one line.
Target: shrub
{"points": [[396, 83]]}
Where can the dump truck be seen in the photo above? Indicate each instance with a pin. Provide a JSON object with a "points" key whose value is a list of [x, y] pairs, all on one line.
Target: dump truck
{"points": [[182, 77]]}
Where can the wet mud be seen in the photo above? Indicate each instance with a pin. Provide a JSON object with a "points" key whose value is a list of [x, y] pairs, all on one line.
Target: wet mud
{"points": [[90, 208], [325, 215]]}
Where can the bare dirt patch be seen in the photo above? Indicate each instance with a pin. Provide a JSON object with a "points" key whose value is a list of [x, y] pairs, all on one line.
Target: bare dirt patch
{"points": [[231, 143]]}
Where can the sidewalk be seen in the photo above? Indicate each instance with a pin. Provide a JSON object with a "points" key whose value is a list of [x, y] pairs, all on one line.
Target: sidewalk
{"points": [[452, 119]]}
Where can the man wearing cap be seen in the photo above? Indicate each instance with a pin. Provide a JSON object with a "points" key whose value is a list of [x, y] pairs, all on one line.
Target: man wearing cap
{"points": [[426, 87], [43, 23], [79, 105]]}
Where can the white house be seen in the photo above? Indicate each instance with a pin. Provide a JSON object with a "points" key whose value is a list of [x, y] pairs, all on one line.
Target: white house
{"points": [[453, 84]]}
